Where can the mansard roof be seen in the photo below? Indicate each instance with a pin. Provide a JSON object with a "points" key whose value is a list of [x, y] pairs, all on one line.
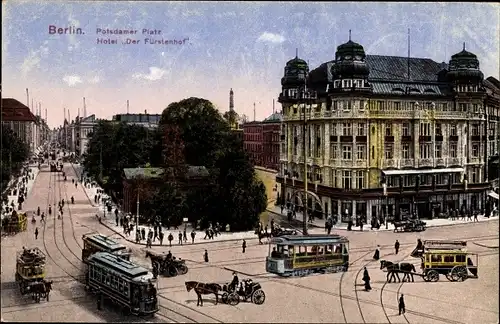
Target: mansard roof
{"points": [[14, 110]]}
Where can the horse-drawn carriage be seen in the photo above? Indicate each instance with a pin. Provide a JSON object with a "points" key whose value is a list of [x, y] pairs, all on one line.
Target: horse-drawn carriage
{"points": [[439, 257], [411, 225], [281, 231], [15, 223], [30, 274], [167, 265], [248, 290]]}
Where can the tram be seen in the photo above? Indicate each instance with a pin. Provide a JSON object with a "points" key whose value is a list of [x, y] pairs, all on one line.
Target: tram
{"points": [[123, 282], [95, 242], [292, 255]]}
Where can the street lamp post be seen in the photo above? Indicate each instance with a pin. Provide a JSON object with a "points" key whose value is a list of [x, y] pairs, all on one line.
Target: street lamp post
{"points": [[304, 94], [384, 185], [137, 214]]}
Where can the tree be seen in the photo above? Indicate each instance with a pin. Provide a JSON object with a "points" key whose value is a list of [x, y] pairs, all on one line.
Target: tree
{"points": [[115, 146], [238, 197], [14, 152], [232, 118]]}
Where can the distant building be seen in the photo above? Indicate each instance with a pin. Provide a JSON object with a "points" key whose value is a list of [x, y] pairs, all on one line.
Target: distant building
{"points": [[146, 120], [262, 141], [83, 127], [252, 141], [19, 118]]}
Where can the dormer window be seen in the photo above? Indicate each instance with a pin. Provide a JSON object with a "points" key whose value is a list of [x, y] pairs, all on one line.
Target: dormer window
{"points": [[348, 57], [346, 83], [414, 90], [397, 90], [336, 84]]}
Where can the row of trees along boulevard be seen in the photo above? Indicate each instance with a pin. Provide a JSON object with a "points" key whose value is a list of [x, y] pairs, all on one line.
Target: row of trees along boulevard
{"points": [[15, 152], [191, 132]]}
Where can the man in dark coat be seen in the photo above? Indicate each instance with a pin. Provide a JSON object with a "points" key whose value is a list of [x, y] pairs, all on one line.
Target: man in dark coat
{"points": [[396, 246], [376, 255], [180, 238], [235, 282], [401, 305], [170, 239], [244, 246], [36, 233], [366, 279], [205, 256], [161, 237]]}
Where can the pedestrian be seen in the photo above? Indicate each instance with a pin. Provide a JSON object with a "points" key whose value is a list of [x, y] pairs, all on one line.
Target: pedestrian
{"points": [[76, 184], [193, 234], [396, 246], [376, 255], [50, 210], [366, 279], [469, 215], [143, 233], [36, 233], [207, 234], [205, 256], [361, 225], [38, 211], [184, 235], [42, 218], [149, 243], [475, 217], [244, 246], [401, 305], [180, 238], [161, 237], [170, 239], [95, 199]]}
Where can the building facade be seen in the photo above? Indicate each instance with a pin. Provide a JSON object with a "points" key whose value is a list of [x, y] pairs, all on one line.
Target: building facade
{"points": [[146, 120], [387, 136], [19, 118], [253, 141], [271, 128]]}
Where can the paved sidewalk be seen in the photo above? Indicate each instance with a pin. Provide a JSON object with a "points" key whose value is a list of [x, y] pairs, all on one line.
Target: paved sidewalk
{"points": [[320, 223], [29, 185]]}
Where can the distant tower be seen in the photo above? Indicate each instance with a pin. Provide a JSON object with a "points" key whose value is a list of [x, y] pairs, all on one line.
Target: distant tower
{"points": [[231, 100]]}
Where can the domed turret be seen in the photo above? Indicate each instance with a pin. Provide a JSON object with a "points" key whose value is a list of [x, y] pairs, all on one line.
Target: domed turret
{"points": [[295, 72], [350, 61], [464, 68]]}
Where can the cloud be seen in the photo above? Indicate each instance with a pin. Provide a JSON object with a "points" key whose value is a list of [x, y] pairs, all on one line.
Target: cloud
{"points": [[154, 74], [72, 80], [271, 38], [31, 62], [74, 43], [94, 80]]}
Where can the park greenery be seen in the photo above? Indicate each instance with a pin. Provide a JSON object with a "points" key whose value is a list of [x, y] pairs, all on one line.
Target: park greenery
{"points": [[14, 152], [191, 132]]}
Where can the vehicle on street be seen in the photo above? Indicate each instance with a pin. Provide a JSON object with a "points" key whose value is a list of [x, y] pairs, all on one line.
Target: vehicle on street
{"points": [[248, 290], [297, 255], [95, 242], [123, 282], [30, 274]]}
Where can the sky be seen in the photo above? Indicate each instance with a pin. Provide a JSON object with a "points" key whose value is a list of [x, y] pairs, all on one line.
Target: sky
{"points": [[221, 45]]}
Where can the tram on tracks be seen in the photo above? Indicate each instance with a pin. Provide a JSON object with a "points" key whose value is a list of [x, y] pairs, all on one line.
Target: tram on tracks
{"points": [[123, 282], [293, 255], [95, 242]]}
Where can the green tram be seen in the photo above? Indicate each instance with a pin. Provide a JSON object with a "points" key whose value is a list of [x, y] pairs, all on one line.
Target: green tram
{"points": [[122, 281], [292, 255], [95, 242]]}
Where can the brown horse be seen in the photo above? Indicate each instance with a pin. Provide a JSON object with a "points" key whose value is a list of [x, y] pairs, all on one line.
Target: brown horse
{"points": [[41, 290], [204, 289]]}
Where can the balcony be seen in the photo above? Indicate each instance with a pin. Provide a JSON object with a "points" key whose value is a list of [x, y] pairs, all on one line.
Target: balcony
{"points": [[439, 138], [406, 163], [389, 139], [475, 138], [333, 138], [440, 162], [454, 161], [453, 138], [424, 138], [346, 139], [406, 138], [361, 139], [421, 163], [389, 164]]}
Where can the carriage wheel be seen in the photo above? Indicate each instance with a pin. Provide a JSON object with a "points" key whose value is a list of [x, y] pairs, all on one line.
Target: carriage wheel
{"points": [[432, 276], [458, 273], [258, 297], [233, 299], [183, 269], [172, 271], [224, 297]]}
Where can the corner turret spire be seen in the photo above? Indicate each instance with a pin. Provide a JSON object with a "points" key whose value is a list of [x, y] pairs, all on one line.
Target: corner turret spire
{"points": [[296, 53], [231, 100], [349, 34], [464, 46]]}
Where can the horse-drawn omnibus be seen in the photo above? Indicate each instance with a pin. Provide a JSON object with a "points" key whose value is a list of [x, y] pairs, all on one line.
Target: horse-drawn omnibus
{"points": [[95, 242], [123, 282], [30, 273], [439, 257], [292, 255]]}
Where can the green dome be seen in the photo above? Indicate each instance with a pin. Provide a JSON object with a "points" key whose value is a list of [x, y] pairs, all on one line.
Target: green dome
{"points": [[295, 72], [350, 48], [464, 67], [297, 63]]}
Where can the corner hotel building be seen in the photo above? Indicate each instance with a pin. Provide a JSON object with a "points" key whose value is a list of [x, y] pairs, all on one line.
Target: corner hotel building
{"points": [[388, 135]]}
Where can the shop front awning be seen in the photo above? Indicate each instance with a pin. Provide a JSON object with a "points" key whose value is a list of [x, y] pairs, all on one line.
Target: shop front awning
{"points": [[426, 171], [493, 194]]}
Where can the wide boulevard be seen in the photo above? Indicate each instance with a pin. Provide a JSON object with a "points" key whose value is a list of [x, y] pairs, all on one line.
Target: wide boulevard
{"points": [[333, 298]]}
